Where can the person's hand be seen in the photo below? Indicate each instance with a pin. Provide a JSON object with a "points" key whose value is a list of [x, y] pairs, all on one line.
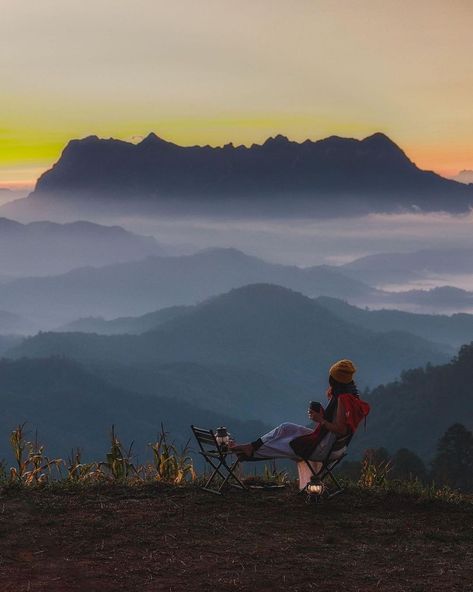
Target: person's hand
{"points": [[314, 415]]}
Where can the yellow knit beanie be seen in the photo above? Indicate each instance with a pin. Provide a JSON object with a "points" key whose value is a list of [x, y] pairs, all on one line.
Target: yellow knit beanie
{"points": [[342, 371]]}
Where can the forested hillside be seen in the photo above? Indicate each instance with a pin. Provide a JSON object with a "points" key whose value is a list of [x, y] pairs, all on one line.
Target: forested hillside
{"points": [[415, 411], [70, 407], [262, 329], [454, 330]]}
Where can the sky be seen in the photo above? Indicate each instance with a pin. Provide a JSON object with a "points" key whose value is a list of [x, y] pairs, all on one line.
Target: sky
{"points": [[215, 71]]}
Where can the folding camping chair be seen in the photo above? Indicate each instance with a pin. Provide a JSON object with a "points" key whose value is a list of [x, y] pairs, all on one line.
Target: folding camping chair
{"points": [[217, 457], [316, 489]]}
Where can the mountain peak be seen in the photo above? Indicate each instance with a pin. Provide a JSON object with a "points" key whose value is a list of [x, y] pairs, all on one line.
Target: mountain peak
{"points": [[7, 224], [152, 139], [383, 147], [226, 254], [381, 140], [278, 140], [87, 140]]}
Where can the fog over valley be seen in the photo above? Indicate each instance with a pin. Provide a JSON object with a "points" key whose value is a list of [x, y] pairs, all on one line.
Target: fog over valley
{"points": [[307, 242]]}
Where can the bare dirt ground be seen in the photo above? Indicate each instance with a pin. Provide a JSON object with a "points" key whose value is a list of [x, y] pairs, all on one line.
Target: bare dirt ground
{"points": [[157, 538]]}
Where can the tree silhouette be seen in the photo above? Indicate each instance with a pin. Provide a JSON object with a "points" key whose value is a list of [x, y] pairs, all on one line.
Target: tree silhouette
{"points": [[407, 466], [453, 463]]}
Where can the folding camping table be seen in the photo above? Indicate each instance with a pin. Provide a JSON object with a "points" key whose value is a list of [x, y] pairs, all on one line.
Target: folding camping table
{"points": [[219, 457]]}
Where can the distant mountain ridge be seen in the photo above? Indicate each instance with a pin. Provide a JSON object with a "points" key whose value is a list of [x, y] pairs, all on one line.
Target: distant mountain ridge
{"points": [[465, 176], [442, 297], [277, 176], [454, 330], [391, 268], [47, 248], [119, 326], [269, 328], [13, 324], [137, 287], [448, 331]]}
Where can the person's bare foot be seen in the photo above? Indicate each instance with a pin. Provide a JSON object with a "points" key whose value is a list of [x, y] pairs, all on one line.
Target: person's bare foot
{"points": [[246, 449]]}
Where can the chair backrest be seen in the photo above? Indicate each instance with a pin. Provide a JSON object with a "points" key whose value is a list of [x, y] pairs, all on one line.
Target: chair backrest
{"points": [[205, 439], [341, 442]]}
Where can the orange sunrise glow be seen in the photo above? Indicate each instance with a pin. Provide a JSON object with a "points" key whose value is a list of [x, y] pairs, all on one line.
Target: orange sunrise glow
{"points": [[213, 72]]}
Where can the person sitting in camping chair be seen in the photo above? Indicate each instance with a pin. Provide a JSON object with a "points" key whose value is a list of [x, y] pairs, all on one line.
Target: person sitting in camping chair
{"points": [[337, 422]]}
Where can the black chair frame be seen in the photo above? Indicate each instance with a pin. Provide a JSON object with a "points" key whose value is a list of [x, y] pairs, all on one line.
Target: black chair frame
{"points": [[326, 471]]}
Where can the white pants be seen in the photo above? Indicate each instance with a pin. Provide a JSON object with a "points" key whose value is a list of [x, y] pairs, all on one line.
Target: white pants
{"points": [[276, 444]]}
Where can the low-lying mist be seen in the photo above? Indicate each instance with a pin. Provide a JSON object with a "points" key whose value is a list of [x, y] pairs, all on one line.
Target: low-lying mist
{"points": [[439, 250], [306, 242]]}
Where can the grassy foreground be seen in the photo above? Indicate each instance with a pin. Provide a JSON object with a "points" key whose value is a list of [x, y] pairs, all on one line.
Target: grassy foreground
{"points": [[161, 537]]}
